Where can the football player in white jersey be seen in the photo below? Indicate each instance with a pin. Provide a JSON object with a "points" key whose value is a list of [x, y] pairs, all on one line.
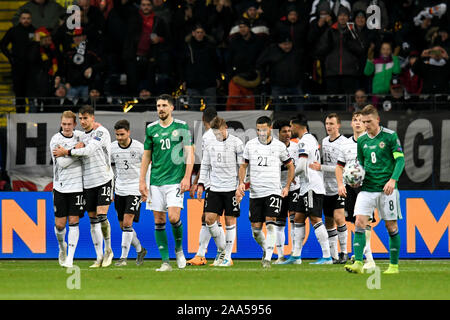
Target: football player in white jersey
{"points": [[348, 153], [97, 181], [312, 191], [264, 156], [220, 165], [333, 203], [68, 199], [289, 204], [126, 156], [204, 237]]}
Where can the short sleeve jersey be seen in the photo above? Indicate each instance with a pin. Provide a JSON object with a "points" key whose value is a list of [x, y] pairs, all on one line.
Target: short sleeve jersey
{"points": [[330, 153], [167, 147], [128, 164], [311, 179], [293, 152], [377, 156], [265, 162]]}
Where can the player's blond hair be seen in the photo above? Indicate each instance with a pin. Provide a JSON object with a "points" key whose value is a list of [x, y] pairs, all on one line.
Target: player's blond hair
{"points": [[218, 123], [69, 115], [368, 110]]}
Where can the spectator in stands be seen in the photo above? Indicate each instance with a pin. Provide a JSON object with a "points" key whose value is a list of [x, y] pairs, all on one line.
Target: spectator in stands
{"points": [[82, 67], [199, 69], [45, 13], [186, 16], [411, 81], [360, 101], [383, 67], [395, 100], [147, 51], [341, 50], [20, 38], [45, 64], [317, 27], [282, 65], [333, 5], [105, 6], [93, 22], [96, 98], [434, 68], [302, 7], [294, 25], [162, 10], [244, 50], [366, 37], [145, 101], [117, 32], [221, 18], [257, 24], [59, 103]]}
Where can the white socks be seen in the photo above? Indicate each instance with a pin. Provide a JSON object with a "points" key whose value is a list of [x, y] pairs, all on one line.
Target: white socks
{"points": [[106, 230], [298, 238], [281, 238], [205, 237], [333, 240], [97, 237], [135, 242], [217, 235], [60, 236], [259, 237], [367, 249], [342, 236], [127, 238], [74, 234], [229, 239], [322, 237], [270, 240]]}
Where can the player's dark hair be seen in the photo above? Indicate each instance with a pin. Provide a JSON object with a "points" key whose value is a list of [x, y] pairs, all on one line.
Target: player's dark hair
{"points": [[300, 119], [122, 124], [264, 120], [24, 11], [86, 109], [334, 115], [168, 98], [280, 123], [356, 113], [209, 114]]}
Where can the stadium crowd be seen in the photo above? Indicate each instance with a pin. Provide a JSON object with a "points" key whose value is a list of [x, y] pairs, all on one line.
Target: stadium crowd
{"points": [[226, 48]]}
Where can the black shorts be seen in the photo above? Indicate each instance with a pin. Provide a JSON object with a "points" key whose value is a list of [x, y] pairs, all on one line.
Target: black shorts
{"points": [[260, 208], [352, 194], [68, 204], [204, 202], [218, 202], [311, 204], [331, 203], [128, 205], [98, 196], [288, 204]]}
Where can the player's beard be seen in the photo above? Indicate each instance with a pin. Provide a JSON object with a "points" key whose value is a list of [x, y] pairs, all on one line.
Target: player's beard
{"points": [[264, 139], [163, 116]]}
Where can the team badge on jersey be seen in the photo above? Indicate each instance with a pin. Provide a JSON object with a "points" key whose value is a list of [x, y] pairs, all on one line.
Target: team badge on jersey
{"points": [[382, 144], [175, 133]]}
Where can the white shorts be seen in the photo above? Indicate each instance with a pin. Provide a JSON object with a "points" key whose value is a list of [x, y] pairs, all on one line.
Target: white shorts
{"points": [[163, 197], [388, 206]]}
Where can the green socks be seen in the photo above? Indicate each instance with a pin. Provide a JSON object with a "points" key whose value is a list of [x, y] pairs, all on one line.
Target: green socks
{"points": [[394, 247], [177, 229], [161, 241], [359, 242]]}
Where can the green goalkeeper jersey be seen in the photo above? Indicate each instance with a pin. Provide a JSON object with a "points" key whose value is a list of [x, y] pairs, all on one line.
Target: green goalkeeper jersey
{"points": [[378, 157], [167, 147]]}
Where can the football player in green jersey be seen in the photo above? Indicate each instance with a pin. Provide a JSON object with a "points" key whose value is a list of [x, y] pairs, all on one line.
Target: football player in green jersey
{"points": [[381, 155], [168, 146]]}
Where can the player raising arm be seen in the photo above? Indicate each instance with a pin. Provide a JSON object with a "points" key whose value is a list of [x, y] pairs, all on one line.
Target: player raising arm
{"points": [[381, 155]]}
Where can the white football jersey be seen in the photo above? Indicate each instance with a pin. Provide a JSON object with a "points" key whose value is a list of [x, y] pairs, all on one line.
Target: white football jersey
{"points": [[95, 157], [67, 171], [207, 137], [220, 164], [128, 167], [293, 152], [265, 162], [311, 179], [330, 152], [348, 152]]}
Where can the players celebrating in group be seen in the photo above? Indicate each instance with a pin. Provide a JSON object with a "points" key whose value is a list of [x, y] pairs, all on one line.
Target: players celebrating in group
{"points": [[289, 176]]}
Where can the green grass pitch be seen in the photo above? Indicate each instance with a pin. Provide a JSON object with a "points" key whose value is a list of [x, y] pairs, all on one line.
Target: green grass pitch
{"points": [[246, 280]]}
